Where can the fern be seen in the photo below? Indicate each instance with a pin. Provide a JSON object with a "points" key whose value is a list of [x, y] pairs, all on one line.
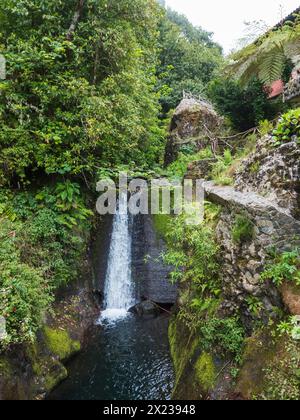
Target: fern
{"points": [[272, 66], [267, 57]]}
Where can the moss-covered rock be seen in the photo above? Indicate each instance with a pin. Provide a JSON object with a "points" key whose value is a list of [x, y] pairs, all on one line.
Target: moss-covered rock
{"points": [[271, 367], [161, 224], [206, 372], [60, 343], [55, 374], [10, 385], [195, 371], [256, 356]]}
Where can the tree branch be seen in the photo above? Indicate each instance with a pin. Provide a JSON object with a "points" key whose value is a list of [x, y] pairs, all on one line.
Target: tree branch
{"points": [[75, 20]]}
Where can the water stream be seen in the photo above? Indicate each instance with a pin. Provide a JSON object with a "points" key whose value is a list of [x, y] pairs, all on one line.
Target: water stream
{"points": [[119, 293], [126, 357]]}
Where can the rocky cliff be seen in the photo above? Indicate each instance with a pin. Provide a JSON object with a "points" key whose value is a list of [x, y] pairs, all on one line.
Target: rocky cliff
{"points": [[258, 218]]}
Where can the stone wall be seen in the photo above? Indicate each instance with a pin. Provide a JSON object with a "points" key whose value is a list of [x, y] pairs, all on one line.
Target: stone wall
{"points": [[274, 172], [242, 263]]}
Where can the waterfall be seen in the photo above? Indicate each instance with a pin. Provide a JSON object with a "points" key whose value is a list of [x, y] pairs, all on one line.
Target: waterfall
{"points": [[118, 293]]}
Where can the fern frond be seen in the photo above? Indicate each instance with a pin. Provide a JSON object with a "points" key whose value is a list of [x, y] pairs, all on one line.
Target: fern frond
{"points": [[272, 66]]}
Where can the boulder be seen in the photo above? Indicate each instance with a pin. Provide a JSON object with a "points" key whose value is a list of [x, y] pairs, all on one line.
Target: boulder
{"points": [[146, 307], [193, 124]]}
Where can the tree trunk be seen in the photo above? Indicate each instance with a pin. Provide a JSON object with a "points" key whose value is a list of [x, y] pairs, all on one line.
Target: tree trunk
{"points": [[75, 20], [96, 63]]}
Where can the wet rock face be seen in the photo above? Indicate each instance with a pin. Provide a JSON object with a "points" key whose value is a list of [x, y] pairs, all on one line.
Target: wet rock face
{"points": [[274, 172], [244, 260], [193, 123], [150, 273]]}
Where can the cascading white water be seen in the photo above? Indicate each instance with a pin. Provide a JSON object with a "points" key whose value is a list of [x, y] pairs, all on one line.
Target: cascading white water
{"points": [[118, 294]]}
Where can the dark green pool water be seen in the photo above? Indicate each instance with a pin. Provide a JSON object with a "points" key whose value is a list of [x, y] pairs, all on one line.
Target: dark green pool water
{"points": [[126, 361]]}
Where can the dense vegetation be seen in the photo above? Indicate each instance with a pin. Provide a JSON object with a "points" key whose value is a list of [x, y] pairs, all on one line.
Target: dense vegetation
{"points": [[77, 95], [244, 106], [189, 59], [85, 83], [42, 244], [89, 87]]}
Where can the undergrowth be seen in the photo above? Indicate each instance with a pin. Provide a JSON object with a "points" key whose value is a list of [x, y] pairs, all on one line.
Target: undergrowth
{"points": [[42, 236]]}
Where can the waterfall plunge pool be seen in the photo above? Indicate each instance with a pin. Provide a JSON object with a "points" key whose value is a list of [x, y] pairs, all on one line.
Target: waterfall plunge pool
{"points": [[126, 360]]}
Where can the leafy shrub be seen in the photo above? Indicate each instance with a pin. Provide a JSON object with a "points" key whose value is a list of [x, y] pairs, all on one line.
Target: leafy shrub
{"points": [[245, 106], [223, 336], [65, 199], [194, 249], [254, 304], [265, 127], [179, 167], [242, 230], [284, 267], [220, 173], [24, 293], [282, 377], [39, 252], [288, 126]]}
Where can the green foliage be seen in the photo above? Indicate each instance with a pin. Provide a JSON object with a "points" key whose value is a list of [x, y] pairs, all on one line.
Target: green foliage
{"points": [[211, 212], [179, 167], [39, 252], [288, 127], [285, 267], [24, 293], [265, 127], [161, 224], [270, 57], [242, 230], [285, 328], [220, 174], [223, 336], [193, 251], [188, 59], [255, 167], [282, 378], [244, 106], [254, 304], [65, 199], [70, 103]]}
